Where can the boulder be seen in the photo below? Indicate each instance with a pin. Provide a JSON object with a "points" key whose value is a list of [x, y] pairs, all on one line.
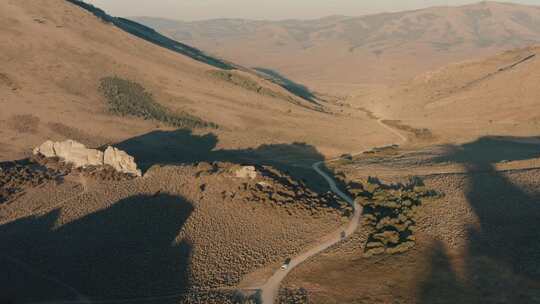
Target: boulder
{"points": [[120, 161], [71, 152], [246, 172], [79, 156], [46, 149]]}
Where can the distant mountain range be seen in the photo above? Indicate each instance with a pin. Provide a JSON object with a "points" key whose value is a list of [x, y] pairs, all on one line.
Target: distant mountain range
{"points": [[339, 53]]}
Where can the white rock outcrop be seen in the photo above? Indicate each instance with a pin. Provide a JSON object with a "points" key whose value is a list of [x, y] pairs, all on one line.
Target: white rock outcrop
{"points": [[80, 156], [246, 172], [120, 161], [46, 149]]}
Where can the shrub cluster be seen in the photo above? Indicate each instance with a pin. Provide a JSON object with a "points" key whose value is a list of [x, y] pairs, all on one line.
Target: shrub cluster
{"points": [[389, 212], [246, 83], [128, 98], [282, 190], [16, 176], [293, 296], [422, 134]]}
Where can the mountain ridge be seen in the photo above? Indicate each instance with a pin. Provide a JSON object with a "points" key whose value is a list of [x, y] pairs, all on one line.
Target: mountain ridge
{"points": [[337, 54]]}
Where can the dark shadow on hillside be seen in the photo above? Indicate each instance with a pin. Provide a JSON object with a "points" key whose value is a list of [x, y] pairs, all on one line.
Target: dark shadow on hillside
{"points": [[504, 252], [123, 252], [442, 286], [154, 37], [289, 85], [182, 147], [490, 150]]}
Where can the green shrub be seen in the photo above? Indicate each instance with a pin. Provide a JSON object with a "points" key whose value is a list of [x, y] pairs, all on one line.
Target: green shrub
{"points": [[128, 98], [389, 213]]}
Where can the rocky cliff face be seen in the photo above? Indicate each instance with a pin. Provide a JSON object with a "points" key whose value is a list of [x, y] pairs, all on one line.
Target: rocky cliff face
{"points": [[80, 156]]}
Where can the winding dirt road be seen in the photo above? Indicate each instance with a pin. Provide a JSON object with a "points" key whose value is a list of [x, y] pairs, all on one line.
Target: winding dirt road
{"points": [[271, 287], [270, 290]]}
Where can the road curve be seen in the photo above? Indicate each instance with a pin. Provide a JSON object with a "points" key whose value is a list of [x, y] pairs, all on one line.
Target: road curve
{"points": [[270, 290], [271, 287]]}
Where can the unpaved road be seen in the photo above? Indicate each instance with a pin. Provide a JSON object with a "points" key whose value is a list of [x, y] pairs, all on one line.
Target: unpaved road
{"points": [[271, 287], [270, 290]]}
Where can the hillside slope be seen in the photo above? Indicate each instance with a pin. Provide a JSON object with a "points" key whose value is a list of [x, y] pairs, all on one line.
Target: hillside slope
{"points": [[495, 96], [339, 53], [55, 55]]}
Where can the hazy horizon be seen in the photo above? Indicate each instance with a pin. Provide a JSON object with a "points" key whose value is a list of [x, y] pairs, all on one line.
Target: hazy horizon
{"points": [[190, 10]]}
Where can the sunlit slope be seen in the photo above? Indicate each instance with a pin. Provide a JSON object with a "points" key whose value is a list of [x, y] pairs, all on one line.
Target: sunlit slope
{"points": [[496, 96], [54, 55]]}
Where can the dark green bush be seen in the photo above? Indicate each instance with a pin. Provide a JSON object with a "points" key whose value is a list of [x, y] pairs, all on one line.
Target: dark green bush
{"points": [[128, 98], [389, 213]]}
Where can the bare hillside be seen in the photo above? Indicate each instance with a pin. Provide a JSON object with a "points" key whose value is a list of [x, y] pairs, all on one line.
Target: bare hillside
{"points": [[495, 96], [62, 68], [338, 53]]}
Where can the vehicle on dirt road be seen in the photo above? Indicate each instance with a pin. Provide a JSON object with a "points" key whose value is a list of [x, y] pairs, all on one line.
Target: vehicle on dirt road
{"points": [[285, 265]]}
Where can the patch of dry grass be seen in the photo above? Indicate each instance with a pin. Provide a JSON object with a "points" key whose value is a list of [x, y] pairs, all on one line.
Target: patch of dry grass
{"points": [[24, 123], [421, 134]]}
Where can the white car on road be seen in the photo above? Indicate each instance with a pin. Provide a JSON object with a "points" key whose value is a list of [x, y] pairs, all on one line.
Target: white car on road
{"points": [[285, 265]]}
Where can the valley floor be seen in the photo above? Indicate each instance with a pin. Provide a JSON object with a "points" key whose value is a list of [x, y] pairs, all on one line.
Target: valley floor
{"points": [[476, 244]]}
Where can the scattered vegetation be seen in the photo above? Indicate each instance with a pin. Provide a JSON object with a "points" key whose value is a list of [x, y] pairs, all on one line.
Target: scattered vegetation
{"points": [[128, 98], [383, 151], [272, 199], [389, 212], [240, 297], [246, 83], [293, 296], [212, 297], [16, 176], [282, 190], [251, 85], [422, 134]]}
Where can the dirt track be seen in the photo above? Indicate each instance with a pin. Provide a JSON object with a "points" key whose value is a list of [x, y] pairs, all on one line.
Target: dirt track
{"points": [[271, 288]]}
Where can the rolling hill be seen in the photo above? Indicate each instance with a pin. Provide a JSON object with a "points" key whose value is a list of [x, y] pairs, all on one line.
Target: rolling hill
{"points": [[59, 59], [191, 229], [228, 194], [337, 54], [463, 101]]}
